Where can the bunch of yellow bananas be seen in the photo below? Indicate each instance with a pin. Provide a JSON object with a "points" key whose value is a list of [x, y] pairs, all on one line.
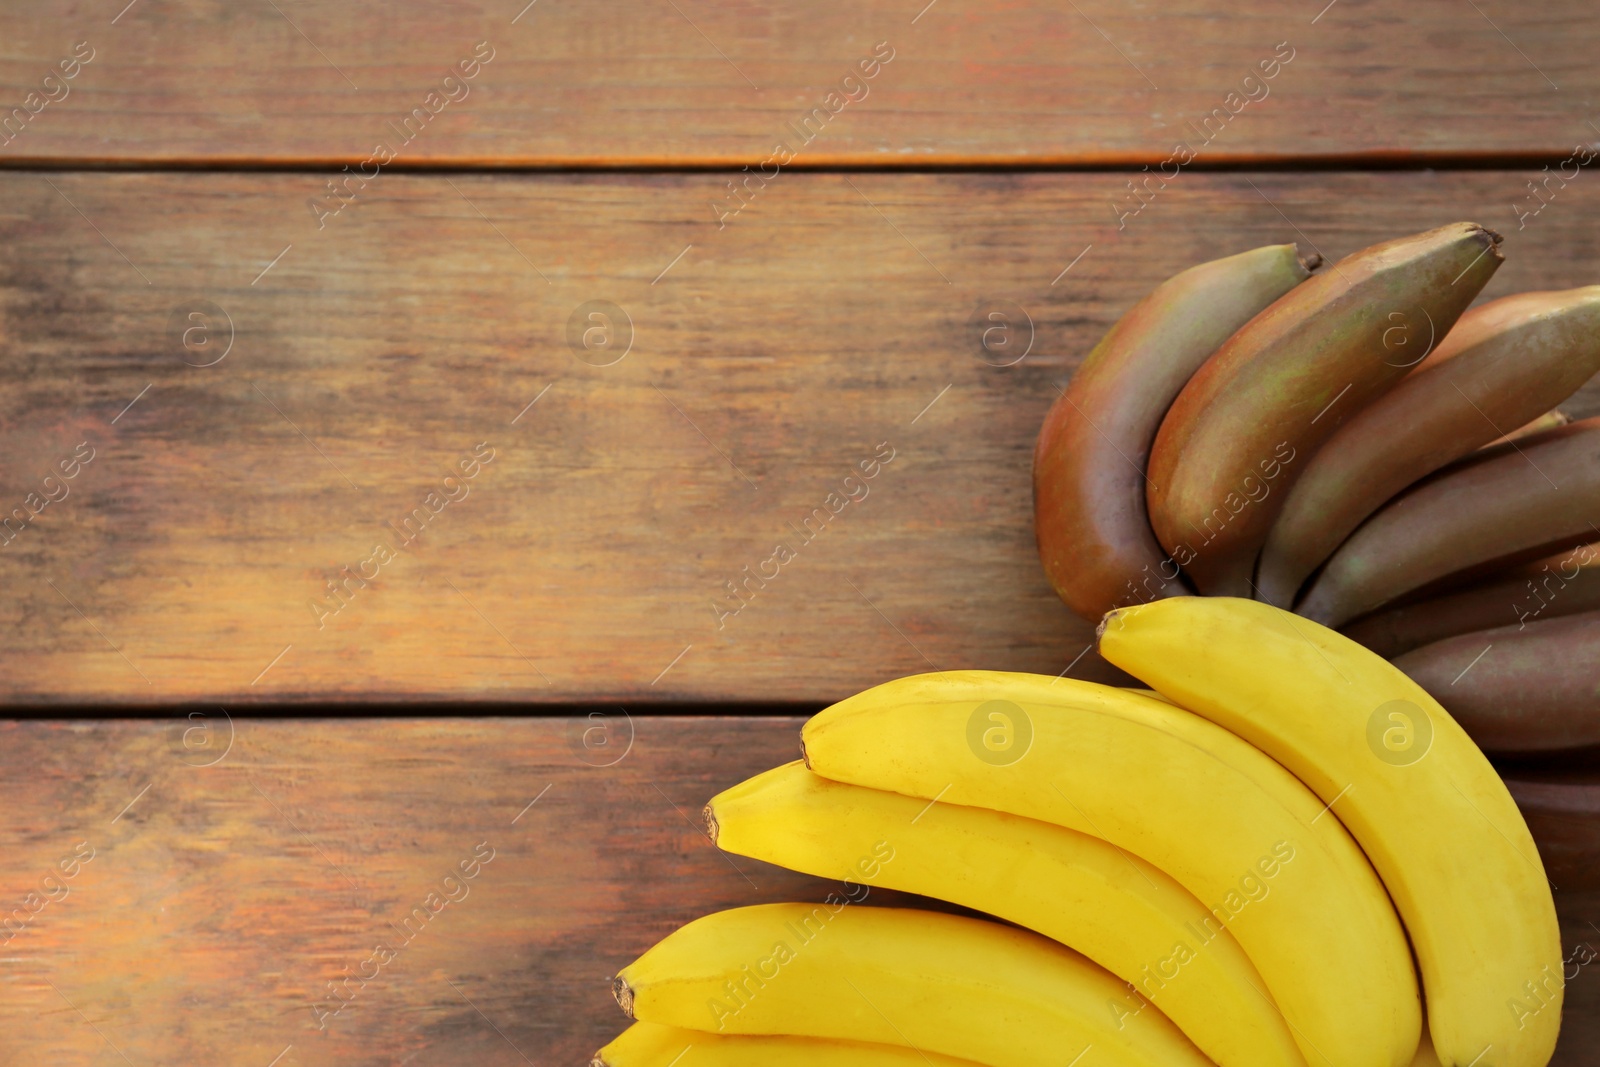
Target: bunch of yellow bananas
{"points": [[1206, 872]]}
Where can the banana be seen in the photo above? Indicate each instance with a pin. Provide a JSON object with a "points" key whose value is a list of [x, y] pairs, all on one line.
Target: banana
{"points": [[1419, 796], [1533, 688], [1503, 364], [654, 1045], [1088, 467], [1562, 584], [1241, 431], [1560, 808], [1162, 784], [961, 987], [1116, 909], [1481, 513]]}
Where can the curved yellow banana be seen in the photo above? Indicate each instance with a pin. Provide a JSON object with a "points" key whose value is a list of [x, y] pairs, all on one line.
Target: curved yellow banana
{"points": [[1118, 910], [896, 976], [1225, 821], [654, 1045], [1425, 804]]}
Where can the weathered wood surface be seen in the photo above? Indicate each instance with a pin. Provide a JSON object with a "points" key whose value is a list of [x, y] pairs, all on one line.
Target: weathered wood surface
{"points": [[836, 320], [240, 867], [649, 83], [372, 335]]}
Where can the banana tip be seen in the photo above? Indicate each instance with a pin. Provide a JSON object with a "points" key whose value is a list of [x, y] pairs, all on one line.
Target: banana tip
{"points": [[1311, 262], [804, 758], [1105, 620], [1495, 240], [598, 1060], [711, 822], [624, 995]]}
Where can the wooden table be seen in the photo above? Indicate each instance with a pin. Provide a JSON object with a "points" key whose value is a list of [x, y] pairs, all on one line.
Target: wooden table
{"points": [[448, 370]]}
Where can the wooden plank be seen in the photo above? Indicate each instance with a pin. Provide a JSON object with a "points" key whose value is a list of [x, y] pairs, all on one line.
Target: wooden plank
{"points": [[240, 866], [837, 320], [648, 83], [220, 901]]}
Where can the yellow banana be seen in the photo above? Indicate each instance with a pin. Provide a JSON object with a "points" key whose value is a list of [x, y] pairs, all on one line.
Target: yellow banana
{"points": [[1118, 910], [1419, 796], [654, 1045], [1222, 819], [896, 976]]}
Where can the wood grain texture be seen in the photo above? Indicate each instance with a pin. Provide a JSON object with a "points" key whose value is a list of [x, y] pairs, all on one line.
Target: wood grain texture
{"points": [[648, 82], [838, 318], [240, 866], [373, 335]]}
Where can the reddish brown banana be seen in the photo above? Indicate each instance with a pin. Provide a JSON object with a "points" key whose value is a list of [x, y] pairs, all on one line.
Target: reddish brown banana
{"points": [[1481, 514], [1562, 584], [1088, 469], [1533, 688], [1275, 391], [1562, 809], [1502, 364]]}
